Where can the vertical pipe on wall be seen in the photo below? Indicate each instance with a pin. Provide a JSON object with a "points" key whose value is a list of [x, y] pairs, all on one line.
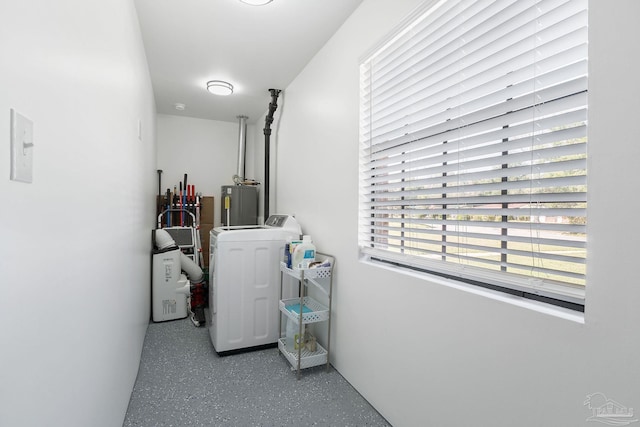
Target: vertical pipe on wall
{"points": [[273, 105], [242, 141]]}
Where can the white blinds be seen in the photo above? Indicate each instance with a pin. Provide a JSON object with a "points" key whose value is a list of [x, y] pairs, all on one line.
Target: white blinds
{"points": [[473, 144]]}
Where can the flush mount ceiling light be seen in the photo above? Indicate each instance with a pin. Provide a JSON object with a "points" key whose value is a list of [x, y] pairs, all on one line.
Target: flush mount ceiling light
{"points": [[256, 2], [219, 87], [179, 106]]}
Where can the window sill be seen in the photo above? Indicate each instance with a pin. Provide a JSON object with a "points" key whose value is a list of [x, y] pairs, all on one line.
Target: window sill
{"points": [[540, 307]]}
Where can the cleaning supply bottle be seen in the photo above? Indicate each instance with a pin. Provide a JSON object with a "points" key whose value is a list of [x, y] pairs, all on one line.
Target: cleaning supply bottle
{"points": [[287, 254], [289, 250], [304, 253]]}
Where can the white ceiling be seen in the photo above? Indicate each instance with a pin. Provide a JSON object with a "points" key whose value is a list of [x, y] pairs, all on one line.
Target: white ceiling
{"points": [[256, 48]]}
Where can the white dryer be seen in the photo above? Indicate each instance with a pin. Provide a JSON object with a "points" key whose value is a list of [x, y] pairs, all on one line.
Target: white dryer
{"points": [[244, 281]]}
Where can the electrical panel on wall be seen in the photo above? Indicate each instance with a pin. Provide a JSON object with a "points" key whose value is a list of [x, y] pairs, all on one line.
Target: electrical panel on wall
{"points": [[21, 148]]}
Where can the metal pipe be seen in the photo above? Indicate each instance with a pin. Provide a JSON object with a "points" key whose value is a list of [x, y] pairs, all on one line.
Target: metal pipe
{"points": [[242, 142], [273, 105]]}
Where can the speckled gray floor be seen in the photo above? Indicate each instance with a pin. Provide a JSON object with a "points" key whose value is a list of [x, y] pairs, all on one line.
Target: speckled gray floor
{"points": [[183, 382]]}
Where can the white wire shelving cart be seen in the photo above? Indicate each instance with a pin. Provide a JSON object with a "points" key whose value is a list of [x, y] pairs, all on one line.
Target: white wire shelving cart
{"points": [[314, 290]]}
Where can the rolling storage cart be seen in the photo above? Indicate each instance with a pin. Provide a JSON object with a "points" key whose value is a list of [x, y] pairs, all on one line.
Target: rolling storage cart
{"points": [[314, 290]]}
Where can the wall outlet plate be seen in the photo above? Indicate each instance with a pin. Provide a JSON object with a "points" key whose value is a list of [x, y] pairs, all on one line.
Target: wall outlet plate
{"points": [[21, 148]]}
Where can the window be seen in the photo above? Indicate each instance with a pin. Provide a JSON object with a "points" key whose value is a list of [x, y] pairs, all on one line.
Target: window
{"points": [[473, 146]]}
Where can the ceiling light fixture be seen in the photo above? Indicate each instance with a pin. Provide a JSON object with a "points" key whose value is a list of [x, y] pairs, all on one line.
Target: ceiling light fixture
{"points": [[179, 106], [256, 2], [219, 87]]}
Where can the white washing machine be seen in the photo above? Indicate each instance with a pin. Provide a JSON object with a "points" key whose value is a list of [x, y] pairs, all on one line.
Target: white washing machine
{"points": [[244, 283]]}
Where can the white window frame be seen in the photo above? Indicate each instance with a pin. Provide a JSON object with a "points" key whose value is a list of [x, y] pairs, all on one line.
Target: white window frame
{"points": [[430, 151]]}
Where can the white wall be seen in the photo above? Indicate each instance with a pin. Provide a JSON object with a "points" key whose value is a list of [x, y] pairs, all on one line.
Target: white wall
{"points": [[206, 150], [424, 352], [75, 247]]}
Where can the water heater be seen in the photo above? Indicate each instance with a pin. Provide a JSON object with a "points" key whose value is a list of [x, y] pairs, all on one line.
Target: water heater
{"points": [[239, 205]]}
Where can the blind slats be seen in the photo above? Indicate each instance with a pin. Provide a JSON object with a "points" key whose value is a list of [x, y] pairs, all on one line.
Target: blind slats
{"points": [[469, 42], [500, 68], [452, 131], [481, 134], [451, 121], [492, 174], [473, 133], [451, 158], [492, 238], [466, 258]]}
